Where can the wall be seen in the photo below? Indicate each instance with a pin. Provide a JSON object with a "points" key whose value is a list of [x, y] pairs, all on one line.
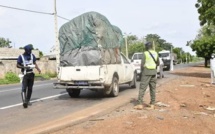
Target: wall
{"points": [[46, 66], [14, 53]]}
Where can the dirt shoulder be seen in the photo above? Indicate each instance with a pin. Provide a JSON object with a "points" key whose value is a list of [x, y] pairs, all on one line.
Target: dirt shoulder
{"points": [[185, 104]]}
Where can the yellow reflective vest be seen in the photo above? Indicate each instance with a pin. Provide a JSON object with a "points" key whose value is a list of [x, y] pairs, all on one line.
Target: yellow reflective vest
{"points": [[149, 62]]}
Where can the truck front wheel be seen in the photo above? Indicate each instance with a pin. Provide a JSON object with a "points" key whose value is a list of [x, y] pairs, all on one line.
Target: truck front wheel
{"points": [[133, 82], [73, 93], [114, 87]]}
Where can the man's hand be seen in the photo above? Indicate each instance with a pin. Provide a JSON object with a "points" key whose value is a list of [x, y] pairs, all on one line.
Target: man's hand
{"points": [[39, 71]]}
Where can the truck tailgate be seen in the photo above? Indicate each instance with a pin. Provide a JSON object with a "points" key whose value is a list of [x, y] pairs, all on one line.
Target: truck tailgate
{"points": [[81, 73]]}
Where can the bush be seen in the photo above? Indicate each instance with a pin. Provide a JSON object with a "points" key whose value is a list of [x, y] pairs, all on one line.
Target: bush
{"points": [[11, 78]]}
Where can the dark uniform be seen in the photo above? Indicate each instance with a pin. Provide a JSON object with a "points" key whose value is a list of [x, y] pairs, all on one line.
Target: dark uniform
{"points": [[148, 76], [23, 62]]}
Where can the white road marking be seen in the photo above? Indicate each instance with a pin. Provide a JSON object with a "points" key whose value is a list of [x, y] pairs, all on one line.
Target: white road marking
{"points": [[20, 88], [45, 98]]}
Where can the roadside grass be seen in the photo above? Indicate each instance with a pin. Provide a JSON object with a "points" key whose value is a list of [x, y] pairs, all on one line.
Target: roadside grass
{"points": [[46, 76], [12, 78]]}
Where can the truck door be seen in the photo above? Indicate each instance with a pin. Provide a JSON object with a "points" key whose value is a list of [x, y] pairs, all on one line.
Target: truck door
{"points": [[128, 70]]}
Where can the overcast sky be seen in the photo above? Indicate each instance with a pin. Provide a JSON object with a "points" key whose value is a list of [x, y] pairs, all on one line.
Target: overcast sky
{"points": [[176, 21]]}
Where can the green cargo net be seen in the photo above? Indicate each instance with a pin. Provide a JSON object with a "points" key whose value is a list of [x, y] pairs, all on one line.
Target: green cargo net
{"points": [[89, 37], [89, 29]]}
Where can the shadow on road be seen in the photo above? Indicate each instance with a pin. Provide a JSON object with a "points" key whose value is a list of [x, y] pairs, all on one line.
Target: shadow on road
{"points": [[88, 94]]}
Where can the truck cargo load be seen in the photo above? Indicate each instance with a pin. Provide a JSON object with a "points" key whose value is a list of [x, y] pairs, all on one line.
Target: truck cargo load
{"points": [[90, 39]]}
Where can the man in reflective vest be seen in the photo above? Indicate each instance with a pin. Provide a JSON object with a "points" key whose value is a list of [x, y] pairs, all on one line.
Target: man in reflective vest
{"points": [[27, 61], [149, 64]]}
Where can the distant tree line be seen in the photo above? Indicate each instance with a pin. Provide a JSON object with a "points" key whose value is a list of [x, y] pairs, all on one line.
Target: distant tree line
{"points": [[137, 45]]}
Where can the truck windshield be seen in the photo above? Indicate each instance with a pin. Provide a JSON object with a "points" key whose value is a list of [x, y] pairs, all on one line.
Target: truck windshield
{"points": [[163, 54], [138, 57]]}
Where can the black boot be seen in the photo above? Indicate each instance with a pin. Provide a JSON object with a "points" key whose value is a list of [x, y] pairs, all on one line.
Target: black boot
{"points": [[24, 100]]}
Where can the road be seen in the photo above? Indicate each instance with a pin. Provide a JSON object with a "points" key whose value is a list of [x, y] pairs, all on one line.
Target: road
{"points": [[49, 104]]}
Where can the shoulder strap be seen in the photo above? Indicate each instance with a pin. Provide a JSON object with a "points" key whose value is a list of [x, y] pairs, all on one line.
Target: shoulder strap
{"points": [[153, 57], [23, 60]]}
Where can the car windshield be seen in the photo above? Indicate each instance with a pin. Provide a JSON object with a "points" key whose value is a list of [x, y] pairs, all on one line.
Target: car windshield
{"points": [[163, 54], [138, 56]]}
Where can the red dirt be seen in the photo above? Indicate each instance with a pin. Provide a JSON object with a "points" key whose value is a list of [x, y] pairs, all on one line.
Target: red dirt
{"points": [[188, 97]]}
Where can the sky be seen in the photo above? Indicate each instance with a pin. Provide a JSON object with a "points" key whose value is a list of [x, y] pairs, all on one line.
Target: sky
{"points": [[175, 21]]}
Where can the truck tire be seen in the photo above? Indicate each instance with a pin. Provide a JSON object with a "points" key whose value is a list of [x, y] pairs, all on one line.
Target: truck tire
{"points": [[106, 91], [132, 84], [74, 93], [168, 68], [114, 87]]}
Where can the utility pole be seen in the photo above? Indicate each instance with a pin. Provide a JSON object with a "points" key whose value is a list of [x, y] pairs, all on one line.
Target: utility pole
{"points": [[57, 46], [153, 45], [171, 59], [126, 45]]}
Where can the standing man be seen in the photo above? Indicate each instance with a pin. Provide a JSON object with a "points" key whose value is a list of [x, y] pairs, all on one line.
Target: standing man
{"points": [[27, 61], [149, 64]]}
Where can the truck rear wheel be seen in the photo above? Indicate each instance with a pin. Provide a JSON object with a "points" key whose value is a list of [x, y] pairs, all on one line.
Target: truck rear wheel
{"points": [[73, 93], [114, 87]]}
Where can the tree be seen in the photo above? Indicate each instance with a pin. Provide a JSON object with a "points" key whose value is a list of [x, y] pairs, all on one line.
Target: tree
{"points": [[204, 44], [204, 47], [4, 42], [160, 44], [206, 30], [131, 39], [206, 9], [179, 52], [136, 47]]}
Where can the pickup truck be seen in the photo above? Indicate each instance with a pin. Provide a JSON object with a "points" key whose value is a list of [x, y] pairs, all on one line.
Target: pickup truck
{"points": [[136, 61], [96, 77]]}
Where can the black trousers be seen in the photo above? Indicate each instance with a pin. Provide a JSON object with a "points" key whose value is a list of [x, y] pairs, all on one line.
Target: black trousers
{"points": [[27, 83]]}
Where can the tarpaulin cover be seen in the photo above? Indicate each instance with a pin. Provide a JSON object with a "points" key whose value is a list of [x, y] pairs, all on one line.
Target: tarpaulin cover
{"points": [[86, 40]]}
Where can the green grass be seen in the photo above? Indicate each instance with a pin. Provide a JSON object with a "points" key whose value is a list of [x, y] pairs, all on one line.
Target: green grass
{"points": [[11, 78]]}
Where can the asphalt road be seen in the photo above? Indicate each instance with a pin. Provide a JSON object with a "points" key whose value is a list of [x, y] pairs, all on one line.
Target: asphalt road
{"points": [[49, 104]]}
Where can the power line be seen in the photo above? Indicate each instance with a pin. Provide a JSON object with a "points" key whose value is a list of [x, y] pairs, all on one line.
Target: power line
{"points": [[62, 17], [33, 11], [26, 10]]}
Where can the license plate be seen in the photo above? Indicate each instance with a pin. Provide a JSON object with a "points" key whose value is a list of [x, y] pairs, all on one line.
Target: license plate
{"points": [[81, 83]]}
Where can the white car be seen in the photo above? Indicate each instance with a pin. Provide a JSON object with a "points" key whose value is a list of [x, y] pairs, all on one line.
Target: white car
{"points": [[97, 77], [160, 72]]}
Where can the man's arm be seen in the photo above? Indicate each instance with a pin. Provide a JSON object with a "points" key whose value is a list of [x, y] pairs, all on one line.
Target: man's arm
{"points": [[143, 62], [36, 66], [18, 65]]}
